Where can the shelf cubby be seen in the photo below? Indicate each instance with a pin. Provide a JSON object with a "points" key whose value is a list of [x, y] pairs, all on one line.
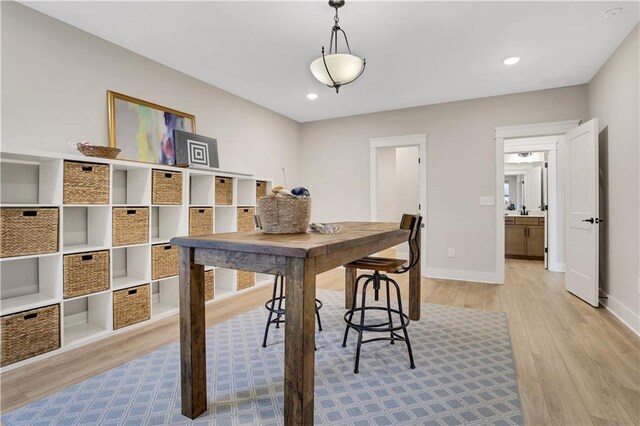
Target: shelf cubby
{"points": [[224, 219], [165, 298], [166, 223], [30, 183], [86, 317], [131, 185], [86, 228], [130, 266], [30, 283], [201, 191], [225, 282], [246, 193]]}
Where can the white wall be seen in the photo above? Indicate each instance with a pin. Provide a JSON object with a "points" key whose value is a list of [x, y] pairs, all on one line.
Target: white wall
{"points": [[613, 99], [54, 83], [386, 188], [407, 180], [460, 167]]}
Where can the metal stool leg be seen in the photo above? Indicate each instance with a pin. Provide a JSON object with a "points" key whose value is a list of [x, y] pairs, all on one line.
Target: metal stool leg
{"points": [[389, 312], [353, 306], [404, 330], [319, 322], [361, 331], [280, 300], [273, 302]]}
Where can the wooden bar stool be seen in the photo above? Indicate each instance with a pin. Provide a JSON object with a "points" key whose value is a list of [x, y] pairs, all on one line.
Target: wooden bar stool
{"points": [[381, 266], [279, 298]]}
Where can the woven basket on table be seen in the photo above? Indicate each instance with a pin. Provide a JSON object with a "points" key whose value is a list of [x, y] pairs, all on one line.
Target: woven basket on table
{"points": [[284, 215]]}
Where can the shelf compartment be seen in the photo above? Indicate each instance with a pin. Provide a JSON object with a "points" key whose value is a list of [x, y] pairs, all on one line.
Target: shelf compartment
{"points": [[28, 231], [225, 282], [130, 225], [86, 317], [166, 223], [261, 189], [246, 279], [31, 182], [224, 190], [166, 187], [209, 285], [85, 273], [86, 183], [201, 190], [165, 261], [225, 220], [246, 192], [30, 333], [30, 283], [165, 298], [131, 306], [245, 218], [200, 221], [131, 186], [86, 228], [130, 266]]}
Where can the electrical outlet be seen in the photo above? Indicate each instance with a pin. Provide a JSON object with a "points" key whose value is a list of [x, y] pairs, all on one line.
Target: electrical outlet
{"points": [[452, 252], [486, 200]]}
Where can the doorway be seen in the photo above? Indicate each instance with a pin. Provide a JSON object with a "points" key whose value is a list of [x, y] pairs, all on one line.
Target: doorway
{"points": [[399, 182]]}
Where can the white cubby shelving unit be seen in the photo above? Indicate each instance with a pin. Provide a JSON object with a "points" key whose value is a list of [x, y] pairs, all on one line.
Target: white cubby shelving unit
{"points": [[35, 179]]}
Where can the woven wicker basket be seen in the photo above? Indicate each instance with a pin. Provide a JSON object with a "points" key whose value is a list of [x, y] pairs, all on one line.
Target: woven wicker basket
{"points": [[28, 231], [261, 189], [85, 273], [165, 261], [224, 191], [85, 183], [29, 333], [200, 221], [208, 285], [130, 306], [284, 215], [98, 151], [246, 279], [166, 187], [130, 225], [245, 218]]}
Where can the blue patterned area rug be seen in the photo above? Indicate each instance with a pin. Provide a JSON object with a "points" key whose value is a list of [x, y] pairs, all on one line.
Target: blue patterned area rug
{"points": [[464, 374]]}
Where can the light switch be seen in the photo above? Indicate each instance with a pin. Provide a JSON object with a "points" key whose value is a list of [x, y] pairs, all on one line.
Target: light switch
{"points": [[486, 201]]}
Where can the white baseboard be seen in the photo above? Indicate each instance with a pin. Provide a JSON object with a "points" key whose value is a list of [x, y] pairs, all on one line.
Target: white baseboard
{"points": [[624, 314], [454, 274], [556, 267]]}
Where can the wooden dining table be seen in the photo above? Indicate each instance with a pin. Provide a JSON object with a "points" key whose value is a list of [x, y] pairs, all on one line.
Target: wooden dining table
{"points": [[297, 257]]}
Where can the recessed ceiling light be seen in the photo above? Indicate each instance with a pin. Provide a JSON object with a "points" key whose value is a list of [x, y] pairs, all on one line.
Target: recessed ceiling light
{"points": [[511, 61], [612, 12], [312, 96]]}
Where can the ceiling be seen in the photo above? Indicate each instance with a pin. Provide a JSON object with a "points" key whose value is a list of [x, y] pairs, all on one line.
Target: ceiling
{"points": [[417, 53]]}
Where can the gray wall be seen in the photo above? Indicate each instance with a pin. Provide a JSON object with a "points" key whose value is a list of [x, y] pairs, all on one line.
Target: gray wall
{"points": [[460, 165], [613, 99], [54, 83]]}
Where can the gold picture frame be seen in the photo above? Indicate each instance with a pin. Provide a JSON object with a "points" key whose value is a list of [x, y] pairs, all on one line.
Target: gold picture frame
{"points": [[144, 130]]}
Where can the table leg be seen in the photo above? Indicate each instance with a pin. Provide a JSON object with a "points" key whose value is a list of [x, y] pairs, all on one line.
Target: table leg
{"points": [[415, 275], [349, 282], [299, 353], [193, 372]]}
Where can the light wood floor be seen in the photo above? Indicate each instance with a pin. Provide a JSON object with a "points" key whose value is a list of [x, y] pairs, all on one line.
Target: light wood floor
{"points": [[576, 365]]}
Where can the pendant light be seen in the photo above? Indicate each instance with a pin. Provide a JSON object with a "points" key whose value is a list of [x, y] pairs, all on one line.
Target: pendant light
{"points": [[337, 69]]}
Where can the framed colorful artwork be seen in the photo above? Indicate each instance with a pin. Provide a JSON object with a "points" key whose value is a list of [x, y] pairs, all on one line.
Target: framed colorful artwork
{"points": [[143, 130]]}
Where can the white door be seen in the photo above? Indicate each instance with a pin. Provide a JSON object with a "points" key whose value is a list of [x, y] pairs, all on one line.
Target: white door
{"points": [[582, 242]]}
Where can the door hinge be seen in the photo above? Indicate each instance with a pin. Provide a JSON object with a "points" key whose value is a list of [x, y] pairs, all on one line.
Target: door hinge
{"points": [[418, 160], [419, 206], [546, 165], [546, 250]]}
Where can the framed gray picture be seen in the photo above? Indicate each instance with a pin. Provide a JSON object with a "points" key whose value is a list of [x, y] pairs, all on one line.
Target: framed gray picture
{"points": [[195, 150]]}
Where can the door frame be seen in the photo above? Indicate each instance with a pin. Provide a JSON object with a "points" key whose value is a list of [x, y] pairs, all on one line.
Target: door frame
{"points": [[556, 128], [419, 140]]}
